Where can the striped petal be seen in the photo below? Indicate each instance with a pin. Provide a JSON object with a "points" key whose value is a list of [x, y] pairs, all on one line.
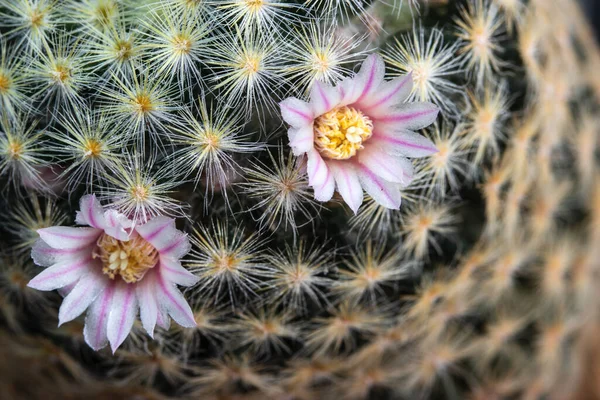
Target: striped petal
{"points": [[162, 317], [317, 170], [122, 314], [116, 225], [45, 256], [161, 233], [94, 331], [403, 143], [411, 116], [176, 246], [146, 294], [323, 98], [153, 229], [174, 303], [388, 95], [347, 90], [324, 192], [63, 273], [174, 272], [82, 295], [64, 291], [91, 212], [69, 238], [369, 78], [347, 183], [302, 139], [384, 193], [391, 168], [296, 112]]}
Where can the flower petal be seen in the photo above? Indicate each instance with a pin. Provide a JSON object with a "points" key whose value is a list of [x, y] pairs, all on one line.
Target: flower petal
{"points": [[174, 303], [176, 246], [69, 238], [174, 272], [347, 183], [391, 168], [82, 295], [323, 98], [296, 112], [146, 294], [325, 191], [412, 116], [301, 140], [404, 143], [116, 223], [388, 95], [369, 77], [347, 90], [151, 230], [316, 169], [161, 233], [384, 193], [94, 331], [122, 314], [63, 273], [64, 291], [45, 256], [162, 318], [91, 212]]}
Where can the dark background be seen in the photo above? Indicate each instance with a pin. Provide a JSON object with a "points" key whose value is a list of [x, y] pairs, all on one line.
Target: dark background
{"points": [[592, 9]]}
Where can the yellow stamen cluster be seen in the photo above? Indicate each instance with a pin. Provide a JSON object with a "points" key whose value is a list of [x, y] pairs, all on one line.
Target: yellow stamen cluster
{"points": [[340, 133], [130, 260]]}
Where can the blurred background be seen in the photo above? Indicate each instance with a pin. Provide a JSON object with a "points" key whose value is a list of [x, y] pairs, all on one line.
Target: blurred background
{"points": [[592, 8]]}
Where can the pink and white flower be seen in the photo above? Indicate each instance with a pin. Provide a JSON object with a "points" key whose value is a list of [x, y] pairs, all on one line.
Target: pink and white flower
{"points": [[358, 135], [112, 268]]}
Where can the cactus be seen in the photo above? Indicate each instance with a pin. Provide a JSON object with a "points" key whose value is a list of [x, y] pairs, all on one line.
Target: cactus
{"points": [[378, 199]]}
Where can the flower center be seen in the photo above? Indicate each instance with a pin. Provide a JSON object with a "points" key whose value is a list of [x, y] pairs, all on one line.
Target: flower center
{"points": [[131, 260], [340, 133]]}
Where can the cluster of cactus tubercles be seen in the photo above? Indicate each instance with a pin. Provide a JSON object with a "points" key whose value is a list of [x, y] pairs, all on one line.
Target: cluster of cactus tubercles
{"points": [[299, 199]]}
